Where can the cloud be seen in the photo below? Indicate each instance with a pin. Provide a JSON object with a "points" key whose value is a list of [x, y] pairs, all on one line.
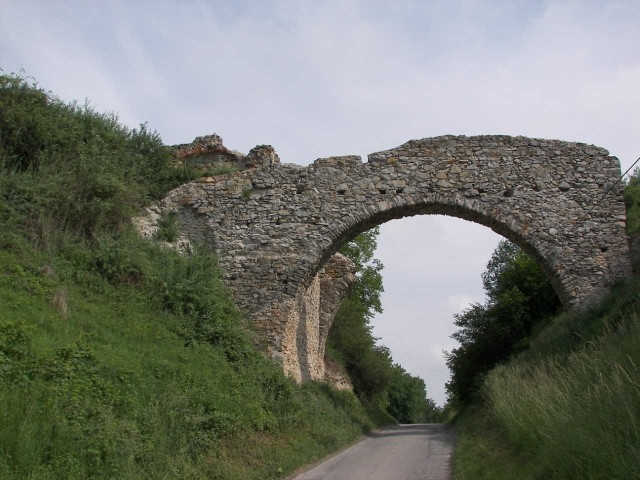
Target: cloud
{"points": [[460, 301]]}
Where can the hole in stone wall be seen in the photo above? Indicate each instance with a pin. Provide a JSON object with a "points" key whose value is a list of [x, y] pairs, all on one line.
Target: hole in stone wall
{"points": [[382, 190], [604, 249], [399, 190], [508, 192], [299, 188]]}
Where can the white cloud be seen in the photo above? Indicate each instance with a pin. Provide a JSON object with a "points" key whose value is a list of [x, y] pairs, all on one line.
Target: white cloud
{"points": [[460, 301]]}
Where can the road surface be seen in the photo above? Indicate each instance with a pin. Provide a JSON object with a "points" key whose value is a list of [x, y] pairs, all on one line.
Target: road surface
{"points": [[402, 452]]}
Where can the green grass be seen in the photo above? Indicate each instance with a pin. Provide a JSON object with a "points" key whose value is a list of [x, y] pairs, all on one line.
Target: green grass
{"points": [[120, 359], [484, 453], [122, 387], [567, 409]]}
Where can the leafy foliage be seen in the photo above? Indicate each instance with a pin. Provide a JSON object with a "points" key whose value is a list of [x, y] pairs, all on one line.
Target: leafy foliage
{"points": [[168, 228], [368, 287], [407, 396], [149, 370], [375, 378], [68, 169], [519, 295], [350, 337], [568, 408], [632, 202], [124, 387]]}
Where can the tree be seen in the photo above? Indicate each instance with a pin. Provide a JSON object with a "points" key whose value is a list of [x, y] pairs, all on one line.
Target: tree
{"points": [[375, 377], [519, 295], [368, 286], [350, 338], [408, 401]]}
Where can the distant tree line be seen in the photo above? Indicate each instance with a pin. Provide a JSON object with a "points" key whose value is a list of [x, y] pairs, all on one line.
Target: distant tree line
{"points": [[377, 380]]}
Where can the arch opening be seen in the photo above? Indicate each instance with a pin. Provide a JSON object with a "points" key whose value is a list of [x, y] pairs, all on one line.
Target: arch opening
{"points": [[422, 322]]}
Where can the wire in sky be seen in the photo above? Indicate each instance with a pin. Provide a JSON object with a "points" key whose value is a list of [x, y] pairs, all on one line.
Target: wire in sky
{"points": [[604, 195]]}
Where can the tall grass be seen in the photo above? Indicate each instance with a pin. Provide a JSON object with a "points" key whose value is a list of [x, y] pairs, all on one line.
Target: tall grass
{"points": [[155, 378], [580, 416], [567, 409]]}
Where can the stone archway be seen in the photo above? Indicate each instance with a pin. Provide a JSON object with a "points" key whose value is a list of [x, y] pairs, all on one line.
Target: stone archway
{"points": [[275, 226]]}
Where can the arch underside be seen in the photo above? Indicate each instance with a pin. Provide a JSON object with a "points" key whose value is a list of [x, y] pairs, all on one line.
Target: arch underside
{"points": [[451, 209]]}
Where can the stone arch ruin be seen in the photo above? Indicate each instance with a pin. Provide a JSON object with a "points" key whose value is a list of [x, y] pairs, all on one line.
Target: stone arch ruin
{"points": [[276, 227]]}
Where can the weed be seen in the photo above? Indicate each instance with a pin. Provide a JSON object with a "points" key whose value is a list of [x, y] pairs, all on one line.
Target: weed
{"points": [[60, 302], [168, 228]]}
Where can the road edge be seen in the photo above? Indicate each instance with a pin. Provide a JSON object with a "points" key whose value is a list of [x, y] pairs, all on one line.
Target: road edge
{"points": [[312, 465]]}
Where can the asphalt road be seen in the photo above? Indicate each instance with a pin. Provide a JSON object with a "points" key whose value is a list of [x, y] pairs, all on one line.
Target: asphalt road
{"points": [[402, 452]]}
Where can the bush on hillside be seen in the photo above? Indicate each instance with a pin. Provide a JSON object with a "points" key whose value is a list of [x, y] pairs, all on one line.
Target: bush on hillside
{"points": [[66, 169], [148, 371], [567, 409]]}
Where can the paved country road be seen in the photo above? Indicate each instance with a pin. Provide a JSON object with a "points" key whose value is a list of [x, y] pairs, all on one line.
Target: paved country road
{"points": [[401, 452]]}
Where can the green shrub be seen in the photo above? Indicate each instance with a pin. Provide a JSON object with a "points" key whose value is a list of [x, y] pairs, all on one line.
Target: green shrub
{"points": [[632, 202], [67, 168], [168, 228], [519, 298], [578, 417], [129, 387], [121, 259]]}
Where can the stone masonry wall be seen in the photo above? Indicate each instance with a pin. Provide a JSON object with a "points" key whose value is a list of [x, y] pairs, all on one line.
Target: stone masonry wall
{"points": [[275, 226], [310, 318]]}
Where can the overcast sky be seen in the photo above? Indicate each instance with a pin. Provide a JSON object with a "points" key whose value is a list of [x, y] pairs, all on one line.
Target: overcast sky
{"points": [[324, 78]]}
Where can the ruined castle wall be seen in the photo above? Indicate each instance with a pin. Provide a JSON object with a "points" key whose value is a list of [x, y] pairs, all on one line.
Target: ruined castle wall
{"points": [[310, 318], [275, 226]]}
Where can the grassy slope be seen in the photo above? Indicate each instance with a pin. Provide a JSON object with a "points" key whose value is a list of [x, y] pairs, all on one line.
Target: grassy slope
{"points": [[119, 359], [111, 390], [566, 409]]}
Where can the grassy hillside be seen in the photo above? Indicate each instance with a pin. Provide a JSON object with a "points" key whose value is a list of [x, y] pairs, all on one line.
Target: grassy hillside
{"points": [[119, 359], [566, 408]]}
